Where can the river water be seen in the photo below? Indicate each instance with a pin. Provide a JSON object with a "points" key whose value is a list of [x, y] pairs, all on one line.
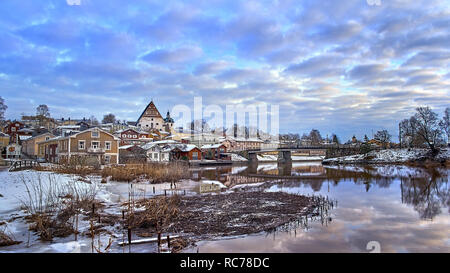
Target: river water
{"points": [[379, 207]]}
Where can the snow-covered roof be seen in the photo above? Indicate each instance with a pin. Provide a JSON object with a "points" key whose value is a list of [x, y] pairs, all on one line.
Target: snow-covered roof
{"points": [[149, 145], [24, 137], [51, 139], [125, 147], [69, 127], [169, 141], [242, 139], [28, 130], [181, 147]]}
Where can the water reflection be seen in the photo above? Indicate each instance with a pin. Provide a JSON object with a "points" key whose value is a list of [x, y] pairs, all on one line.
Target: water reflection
{"points": [[405, 208]]}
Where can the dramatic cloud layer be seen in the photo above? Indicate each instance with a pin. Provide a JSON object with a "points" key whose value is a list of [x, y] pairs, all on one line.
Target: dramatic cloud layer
{"points": [[339, 66]]}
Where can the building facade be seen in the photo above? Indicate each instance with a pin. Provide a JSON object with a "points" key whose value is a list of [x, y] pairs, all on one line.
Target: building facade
{"points": [[30, 146], [135, 137], [214, 151], [93, 145], [152, 119]]}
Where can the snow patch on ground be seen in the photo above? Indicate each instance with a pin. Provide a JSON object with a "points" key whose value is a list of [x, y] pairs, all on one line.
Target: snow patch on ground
{"points": [[267, 158], [307, 158], [388, 156], [214, 182], [236, 157]]}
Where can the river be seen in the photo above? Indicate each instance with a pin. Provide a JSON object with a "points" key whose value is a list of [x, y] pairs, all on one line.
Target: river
{"points": [[390, 208]]}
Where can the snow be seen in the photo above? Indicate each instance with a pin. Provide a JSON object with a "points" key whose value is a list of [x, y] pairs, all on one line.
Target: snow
{"points": [[307, 158], [267, 158], [387, 156], [69, 247], [214, 182], [236, 157], [212, 146], [241, 186]]}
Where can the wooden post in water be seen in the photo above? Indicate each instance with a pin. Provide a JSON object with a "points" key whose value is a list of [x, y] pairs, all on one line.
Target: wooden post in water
{"points": [[129, 239]]}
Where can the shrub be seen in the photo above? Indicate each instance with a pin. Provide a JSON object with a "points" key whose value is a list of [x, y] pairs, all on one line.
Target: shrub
{"points": [[155, 172], [51, 204]]}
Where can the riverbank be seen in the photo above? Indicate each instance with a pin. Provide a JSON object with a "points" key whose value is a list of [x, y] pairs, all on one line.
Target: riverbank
{"points": [[113, 208], [393, 156]]}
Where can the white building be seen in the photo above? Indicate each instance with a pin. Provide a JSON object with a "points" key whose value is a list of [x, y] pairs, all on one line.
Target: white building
{"points": [[155, 152]]}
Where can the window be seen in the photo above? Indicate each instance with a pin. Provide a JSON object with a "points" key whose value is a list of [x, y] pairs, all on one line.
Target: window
{"points": [[95, 144], [13, 129], [95, 134], [108, 145], [81, 144], [195, 155], [107, 159], [47, 138]]}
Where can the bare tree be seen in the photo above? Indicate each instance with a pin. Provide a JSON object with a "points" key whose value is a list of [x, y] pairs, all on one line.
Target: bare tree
{"points": [[335, 139], [445, 124], [383, 136], [426, 124], [201, 126], [43, 111], [109, 118], [315, 137], [408, 133], [93, 121]]}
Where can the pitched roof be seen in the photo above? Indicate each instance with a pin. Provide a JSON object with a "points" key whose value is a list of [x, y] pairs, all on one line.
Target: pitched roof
{"points": [[181, 147], [212, 146], [150, 111]]}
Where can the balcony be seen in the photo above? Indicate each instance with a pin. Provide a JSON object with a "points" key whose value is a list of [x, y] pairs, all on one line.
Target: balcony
{"points": [[96, 150]]}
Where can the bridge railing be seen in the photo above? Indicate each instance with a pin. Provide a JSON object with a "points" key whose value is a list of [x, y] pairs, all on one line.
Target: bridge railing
{"points": [[23, 164]]}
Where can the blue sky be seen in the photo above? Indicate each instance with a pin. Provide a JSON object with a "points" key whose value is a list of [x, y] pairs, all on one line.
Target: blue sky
{"points": [[348, 67]]}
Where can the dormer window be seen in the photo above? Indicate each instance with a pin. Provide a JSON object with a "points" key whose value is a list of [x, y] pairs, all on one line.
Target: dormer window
{"points": [[95, 134]]}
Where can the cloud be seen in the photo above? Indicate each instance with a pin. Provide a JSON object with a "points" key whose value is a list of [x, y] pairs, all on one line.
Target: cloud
{"points": [[211, 67], [328, 64]]}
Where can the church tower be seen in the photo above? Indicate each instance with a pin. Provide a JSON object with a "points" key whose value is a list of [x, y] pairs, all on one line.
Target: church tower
{"points": [[168, 123]]}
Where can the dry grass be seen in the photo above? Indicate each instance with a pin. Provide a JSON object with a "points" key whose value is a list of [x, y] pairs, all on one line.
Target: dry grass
{"points": [[155, 172], [76, 165], [157, 212], [7, 240]]}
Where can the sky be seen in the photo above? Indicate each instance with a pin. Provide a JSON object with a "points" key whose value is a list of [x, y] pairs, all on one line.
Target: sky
{"points": [[346, 67]]}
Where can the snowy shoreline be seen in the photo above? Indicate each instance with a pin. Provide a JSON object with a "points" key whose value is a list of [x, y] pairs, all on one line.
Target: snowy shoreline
{"points": [[391, 156]]}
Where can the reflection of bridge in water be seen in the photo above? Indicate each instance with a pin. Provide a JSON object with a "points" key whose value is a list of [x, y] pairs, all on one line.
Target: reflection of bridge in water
{"points": [[254, 173]]}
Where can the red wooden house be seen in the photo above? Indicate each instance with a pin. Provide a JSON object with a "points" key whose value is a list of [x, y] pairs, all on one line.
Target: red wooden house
{"points": [[214, 151], [132, 137]]}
